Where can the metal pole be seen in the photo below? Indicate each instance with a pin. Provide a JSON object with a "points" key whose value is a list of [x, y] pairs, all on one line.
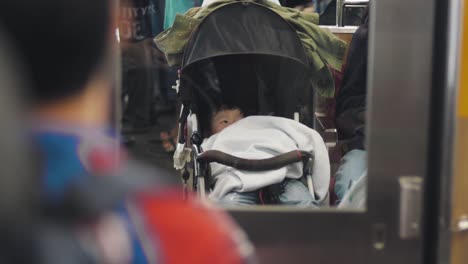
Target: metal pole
{"points": [[339, 13]]}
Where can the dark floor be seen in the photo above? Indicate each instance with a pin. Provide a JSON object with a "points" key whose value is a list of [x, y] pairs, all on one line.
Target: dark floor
{"points": [[148, 146]]}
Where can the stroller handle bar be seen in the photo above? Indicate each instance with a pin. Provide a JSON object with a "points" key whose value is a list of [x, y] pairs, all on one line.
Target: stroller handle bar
{"points": [[255, 165]]}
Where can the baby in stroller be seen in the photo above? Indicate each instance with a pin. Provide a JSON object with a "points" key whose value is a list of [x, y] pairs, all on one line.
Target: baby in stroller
{"points": [[260, 58], [261, 137]]}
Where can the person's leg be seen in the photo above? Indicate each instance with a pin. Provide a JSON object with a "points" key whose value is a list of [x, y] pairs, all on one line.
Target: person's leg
{"points": [[356, 197], [296, 194], [353, 165], [140, 92], [239, 199]]}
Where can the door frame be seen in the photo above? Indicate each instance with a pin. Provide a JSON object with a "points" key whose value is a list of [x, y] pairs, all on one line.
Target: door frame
{"points": [[400, 87]]}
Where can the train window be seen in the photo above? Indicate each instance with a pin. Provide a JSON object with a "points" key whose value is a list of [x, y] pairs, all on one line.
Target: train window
{"points": [[263, 116], [276, 76], [333, 12]]}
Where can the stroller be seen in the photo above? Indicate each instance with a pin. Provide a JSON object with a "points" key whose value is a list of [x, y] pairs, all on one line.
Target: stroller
{"points": [[246, 55]]}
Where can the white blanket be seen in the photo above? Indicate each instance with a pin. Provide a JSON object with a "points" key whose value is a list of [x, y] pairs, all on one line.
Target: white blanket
{"points": [[260, 137]]}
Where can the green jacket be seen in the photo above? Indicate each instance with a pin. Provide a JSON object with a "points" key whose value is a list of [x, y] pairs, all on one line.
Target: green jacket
{"points": [[321, 46]]}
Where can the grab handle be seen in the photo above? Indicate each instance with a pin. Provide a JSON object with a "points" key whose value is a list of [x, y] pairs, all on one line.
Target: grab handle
{"points": [[255, 165]]}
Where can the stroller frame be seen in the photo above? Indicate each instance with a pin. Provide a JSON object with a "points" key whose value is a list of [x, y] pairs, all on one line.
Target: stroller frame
{"points": [[190, 156], [197, 167]]}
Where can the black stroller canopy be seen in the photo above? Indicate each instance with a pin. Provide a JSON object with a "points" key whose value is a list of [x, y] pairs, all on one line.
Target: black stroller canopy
{"points": [[245, 55], [243, 28]]}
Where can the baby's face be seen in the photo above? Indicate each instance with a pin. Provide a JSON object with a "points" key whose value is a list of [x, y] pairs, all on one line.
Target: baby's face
{"points": [[225, 118]]}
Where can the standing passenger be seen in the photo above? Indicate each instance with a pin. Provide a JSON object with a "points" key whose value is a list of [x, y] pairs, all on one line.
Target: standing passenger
{"points": [[138, 22]]}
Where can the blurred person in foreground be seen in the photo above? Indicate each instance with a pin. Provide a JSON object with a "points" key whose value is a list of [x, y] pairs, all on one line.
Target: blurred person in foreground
{"points": [[67, 48], [351, 107]]}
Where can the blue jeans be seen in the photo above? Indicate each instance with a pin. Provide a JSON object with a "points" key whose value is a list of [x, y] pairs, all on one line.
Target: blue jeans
{"points": [[352, 167], [356, 197], [295, 194]]}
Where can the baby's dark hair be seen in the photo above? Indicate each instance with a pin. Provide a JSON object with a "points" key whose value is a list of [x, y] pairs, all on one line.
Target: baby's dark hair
{"points": [[224, 108], [207, 113]]}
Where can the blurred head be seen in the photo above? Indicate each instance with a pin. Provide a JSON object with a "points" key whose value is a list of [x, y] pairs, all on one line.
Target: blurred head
{"points": [[63, 44], [225, 117]]}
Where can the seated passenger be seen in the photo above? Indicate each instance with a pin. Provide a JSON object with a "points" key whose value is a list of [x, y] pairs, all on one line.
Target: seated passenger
{"points": [[261, 137], [66, 49], [351, 111]]}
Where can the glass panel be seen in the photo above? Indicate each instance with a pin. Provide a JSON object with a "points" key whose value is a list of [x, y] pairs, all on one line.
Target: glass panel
{"points": [[353, 15], [242, 85], [149, 103]]}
